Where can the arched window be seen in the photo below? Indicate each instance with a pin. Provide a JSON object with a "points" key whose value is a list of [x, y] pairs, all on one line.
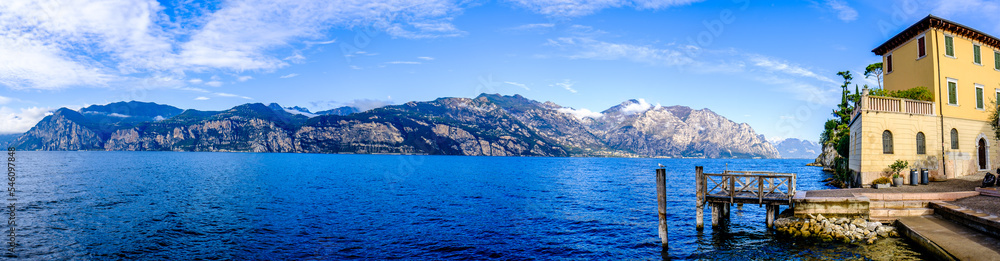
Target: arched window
{"points": [[954, 139], [921, 144], [886, 142]]}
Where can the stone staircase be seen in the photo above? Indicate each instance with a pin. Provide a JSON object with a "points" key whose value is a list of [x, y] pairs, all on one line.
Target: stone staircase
{"points": [[887, 207], [888, 210]]}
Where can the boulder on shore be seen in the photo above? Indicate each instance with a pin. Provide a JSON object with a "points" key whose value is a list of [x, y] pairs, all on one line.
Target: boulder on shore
{"points": [[830, 229]]}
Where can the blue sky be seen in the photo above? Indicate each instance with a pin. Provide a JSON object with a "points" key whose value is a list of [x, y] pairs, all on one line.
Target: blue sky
{"points": [[771, 64]]}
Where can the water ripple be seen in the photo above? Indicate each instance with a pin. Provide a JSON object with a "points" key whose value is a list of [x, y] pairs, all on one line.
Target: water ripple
{"points": [[246, 206]]}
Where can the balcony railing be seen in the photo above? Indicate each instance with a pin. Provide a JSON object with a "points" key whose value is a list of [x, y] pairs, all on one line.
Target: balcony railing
{"points": [[890, 104]]}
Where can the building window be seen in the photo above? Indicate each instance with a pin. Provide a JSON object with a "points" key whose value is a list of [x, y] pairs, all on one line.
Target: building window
{"points": [[954, 139], [949, 46], [977, 56], [888, 63], [952, 92], [921, 47], [886, 142], [979, 96], [996, 60], [921, 144], [983, 151]]}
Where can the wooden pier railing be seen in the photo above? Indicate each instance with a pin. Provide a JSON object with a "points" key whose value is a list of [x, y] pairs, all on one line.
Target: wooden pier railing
{"points": [[741, 187], [753, 187]]}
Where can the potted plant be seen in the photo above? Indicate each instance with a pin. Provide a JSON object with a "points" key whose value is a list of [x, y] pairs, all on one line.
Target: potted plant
{"points": [[881, 183], [895, 168]]}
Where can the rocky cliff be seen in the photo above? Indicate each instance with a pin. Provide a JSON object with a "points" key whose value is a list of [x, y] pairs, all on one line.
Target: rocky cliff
{"points": [[65, 129], [488, 125], [679, 131]]}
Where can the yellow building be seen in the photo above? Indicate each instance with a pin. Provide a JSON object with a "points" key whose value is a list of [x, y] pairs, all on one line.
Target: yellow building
{"points": [[950, 136]]}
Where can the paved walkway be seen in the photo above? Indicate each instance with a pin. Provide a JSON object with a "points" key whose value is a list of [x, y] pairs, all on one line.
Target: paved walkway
{"points": [[966, 183], [957, 241]]}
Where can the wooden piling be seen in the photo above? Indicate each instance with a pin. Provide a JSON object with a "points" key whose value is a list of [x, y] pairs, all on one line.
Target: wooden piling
{"points": [[716, 213], [661, 199], [772, 212], [724, 219], [699, 210]]}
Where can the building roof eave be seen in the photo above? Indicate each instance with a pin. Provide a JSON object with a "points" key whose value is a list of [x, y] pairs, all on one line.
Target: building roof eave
{"points": [[932, 21]]}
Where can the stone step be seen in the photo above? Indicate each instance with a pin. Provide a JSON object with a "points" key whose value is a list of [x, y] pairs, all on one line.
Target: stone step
{"points": [[948, 240], [893, 213], [897, 204], [883, 220]]}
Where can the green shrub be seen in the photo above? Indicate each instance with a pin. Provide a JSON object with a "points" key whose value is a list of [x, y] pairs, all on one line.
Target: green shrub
{"points": [[882, 180], [919, 93], [895, 167]]}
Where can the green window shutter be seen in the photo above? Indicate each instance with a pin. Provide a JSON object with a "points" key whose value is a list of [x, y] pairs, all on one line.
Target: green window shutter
{"points": [[979, 98], [997, 101], [996, 61], [977, 58], [949, 46], [951, 93]]}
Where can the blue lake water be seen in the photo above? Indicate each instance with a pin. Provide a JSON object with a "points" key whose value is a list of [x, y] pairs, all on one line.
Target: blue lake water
{"points": [[239, 206]]}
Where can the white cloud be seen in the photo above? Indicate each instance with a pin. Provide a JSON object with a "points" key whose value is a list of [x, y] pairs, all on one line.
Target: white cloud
{"points": [[295, 58], [587, 48], [195, 81], [810, 93], [634, 108], [565, 84], [519, 85], [289, 75], [57, 44], [5, 100], [244, 78], [192, 89], [222, 94], [425, 29], [844, 12], [322, 43], [214, 83], [539, 28], [201, 98], [960, 8], [772, 64], [402, 62], [26, 63], [368, 104], [426, 58], [581, 113], [19, 122], [570, 8]]}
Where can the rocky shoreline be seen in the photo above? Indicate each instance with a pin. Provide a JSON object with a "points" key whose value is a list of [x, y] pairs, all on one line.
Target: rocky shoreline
{"points": [[839, 229]]}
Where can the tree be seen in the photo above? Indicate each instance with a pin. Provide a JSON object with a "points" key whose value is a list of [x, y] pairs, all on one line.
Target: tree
{"points": [[836, 132], [875, 70], [844, 109]]}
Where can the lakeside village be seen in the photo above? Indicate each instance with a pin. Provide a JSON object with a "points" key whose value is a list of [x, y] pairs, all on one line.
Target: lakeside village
{"points": [[910, 155]]}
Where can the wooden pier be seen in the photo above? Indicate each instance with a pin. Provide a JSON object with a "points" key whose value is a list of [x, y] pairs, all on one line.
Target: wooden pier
{"points": [[741, 187]]}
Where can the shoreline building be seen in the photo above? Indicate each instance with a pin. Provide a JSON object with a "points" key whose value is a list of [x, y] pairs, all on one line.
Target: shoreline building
{"points": [[950, 136]]}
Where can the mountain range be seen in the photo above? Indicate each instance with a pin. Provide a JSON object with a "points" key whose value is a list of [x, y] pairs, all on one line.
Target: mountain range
{"points": [[488, 125], [793, 148]]}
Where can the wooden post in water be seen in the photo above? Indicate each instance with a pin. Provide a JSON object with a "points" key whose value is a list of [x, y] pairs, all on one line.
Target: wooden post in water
{"points": [[699, 208], [661, 199], [772, 212], [716, 213]]}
